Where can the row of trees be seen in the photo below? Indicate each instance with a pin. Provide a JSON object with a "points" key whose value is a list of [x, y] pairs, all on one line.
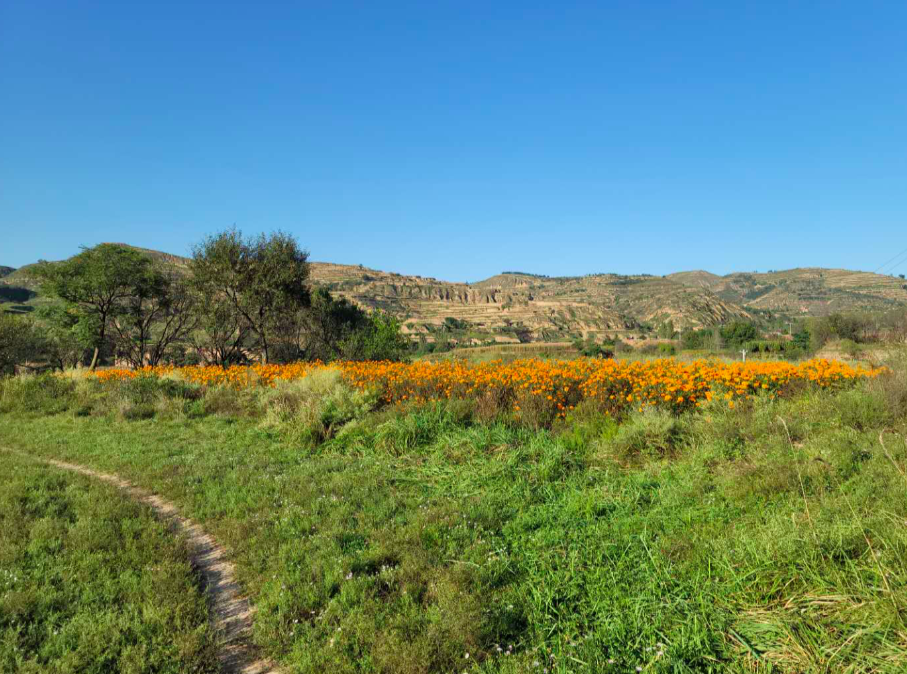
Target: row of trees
{"points": [[238, 299], [807, 335]]}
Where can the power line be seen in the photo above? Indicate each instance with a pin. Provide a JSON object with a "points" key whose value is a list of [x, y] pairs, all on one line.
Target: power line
{"points": [[882, 266], [897, 265], [891, 267]]}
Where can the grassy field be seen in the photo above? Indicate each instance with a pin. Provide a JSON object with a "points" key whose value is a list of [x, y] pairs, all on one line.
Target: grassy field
{"points": [[771, 537], [91, 582]]}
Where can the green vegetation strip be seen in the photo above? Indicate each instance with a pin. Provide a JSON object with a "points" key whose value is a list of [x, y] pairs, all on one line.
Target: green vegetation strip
{"points": [[91, 581], [771, 537]]}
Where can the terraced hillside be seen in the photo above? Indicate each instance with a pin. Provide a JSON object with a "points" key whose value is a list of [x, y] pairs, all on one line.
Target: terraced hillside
{"points": [[809, 291], [519, 307], [516, 307]]}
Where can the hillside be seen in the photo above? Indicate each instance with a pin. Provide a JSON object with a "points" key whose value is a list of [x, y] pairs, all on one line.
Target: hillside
{"points": [[6, 271], [517, 306], [809, 291], [512, 307]]}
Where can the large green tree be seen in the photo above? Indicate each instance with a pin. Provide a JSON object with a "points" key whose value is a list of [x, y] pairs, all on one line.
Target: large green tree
{"points": [[157, 317], [94, 284], [737, 333], [260, 278], [334, 328]]}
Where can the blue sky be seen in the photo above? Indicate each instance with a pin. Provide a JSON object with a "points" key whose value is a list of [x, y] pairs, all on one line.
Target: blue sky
{"points": [[459, 139]]}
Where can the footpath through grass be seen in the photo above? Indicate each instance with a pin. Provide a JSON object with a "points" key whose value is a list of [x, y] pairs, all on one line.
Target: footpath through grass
{"points": [[91, 582], [771, 537]]}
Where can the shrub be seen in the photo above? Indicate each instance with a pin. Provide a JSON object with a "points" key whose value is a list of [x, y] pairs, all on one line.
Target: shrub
{"points": [[39, 394], [692, 339], [417, 426], [591, 349], [317, 406], [146, 390], [143, 397], [891, 386], [652, 432], [861, 409], [229, 401], [586, 425], [20, 343], [850, 348], [493, 404]]}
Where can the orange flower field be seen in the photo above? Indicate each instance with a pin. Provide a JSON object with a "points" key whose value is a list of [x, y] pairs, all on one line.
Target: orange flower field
{"points": [[541, 386]]}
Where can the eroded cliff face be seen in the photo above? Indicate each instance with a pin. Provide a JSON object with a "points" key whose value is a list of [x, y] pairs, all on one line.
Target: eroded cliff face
{"points": [[544, 308]]}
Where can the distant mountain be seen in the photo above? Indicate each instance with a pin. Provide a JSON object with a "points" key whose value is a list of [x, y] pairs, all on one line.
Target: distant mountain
{"points": [[517, 306], [808, 291], [6, 271]]}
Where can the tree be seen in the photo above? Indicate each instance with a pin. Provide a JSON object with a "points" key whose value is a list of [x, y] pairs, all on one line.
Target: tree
{"points": [[802, 339], [222, 336], [695, 339], [379, 338], [154, 319], [261, 278], [739, 332], [67, 336], [20, 343], [326, 324], [332, 328], [93, 284]]}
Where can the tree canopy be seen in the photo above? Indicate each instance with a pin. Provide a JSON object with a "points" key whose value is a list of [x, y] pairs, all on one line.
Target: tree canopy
{"points": [[94, 284], [260, 278], [240, 299]]}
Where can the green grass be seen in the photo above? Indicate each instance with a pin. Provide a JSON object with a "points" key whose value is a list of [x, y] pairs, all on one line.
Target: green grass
{"points": [[91, 582], [768, 538]]}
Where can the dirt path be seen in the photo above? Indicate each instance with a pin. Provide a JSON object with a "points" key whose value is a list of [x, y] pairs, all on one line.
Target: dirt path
{"points": [[231, 612]]}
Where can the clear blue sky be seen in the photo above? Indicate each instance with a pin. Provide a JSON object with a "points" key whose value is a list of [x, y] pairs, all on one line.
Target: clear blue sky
{"points": [[459, 139]]}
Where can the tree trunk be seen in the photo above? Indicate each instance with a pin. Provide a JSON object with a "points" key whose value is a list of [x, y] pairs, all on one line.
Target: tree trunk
{"points": [[97, 348]]}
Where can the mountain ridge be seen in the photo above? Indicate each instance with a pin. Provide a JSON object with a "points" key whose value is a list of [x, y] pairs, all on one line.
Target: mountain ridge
{"points": [[519, 306]]}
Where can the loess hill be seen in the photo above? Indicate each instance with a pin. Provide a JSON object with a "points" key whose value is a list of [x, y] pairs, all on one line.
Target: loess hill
{"points": [[515, 306]]}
